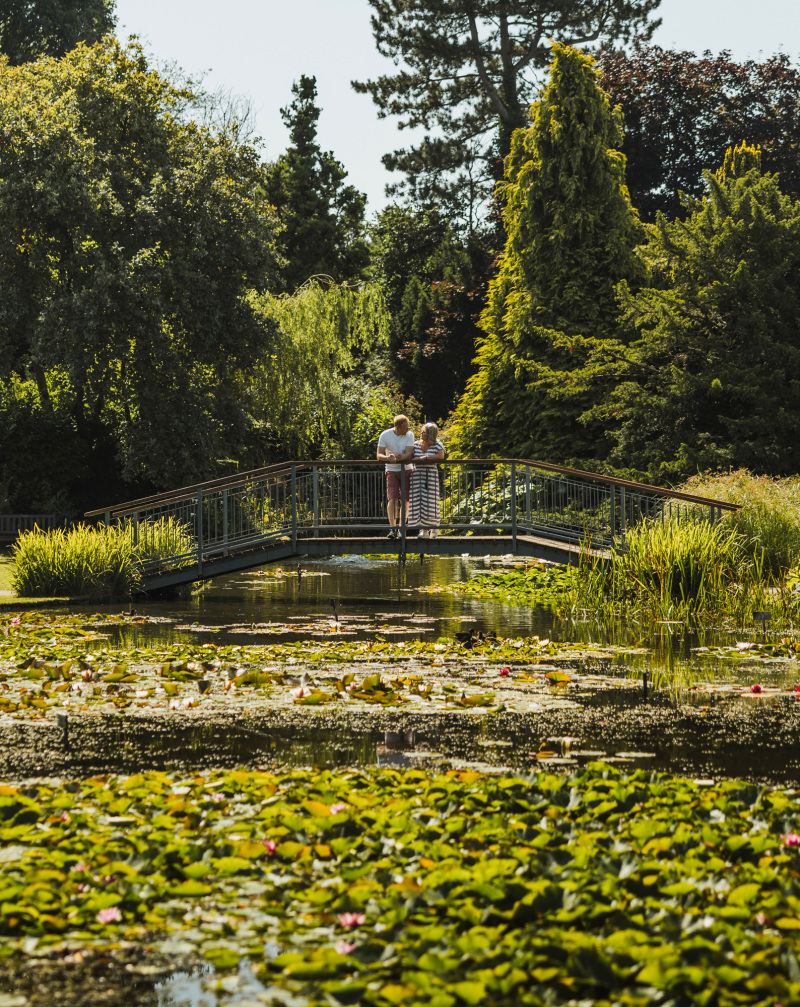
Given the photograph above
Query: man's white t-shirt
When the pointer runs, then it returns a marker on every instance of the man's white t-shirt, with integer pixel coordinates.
(396, 443)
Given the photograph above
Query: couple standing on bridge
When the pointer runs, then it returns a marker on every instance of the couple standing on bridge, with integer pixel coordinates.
(397, 447)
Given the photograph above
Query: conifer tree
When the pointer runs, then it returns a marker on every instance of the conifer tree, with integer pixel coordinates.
(33, 28)
(571, 234)
(714, 380)
(323, 218)
(469, 69)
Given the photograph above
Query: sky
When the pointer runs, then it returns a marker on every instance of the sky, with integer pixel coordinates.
(259, 47)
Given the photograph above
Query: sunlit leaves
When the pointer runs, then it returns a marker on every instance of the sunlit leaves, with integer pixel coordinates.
(462, 886)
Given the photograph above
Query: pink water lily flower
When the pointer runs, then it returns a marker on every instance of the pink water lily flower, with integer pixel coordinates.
(301, 691)
(270, 846)
(351, 920)
(761, 919)
(505, 671)
(336, 808)
(110, 915)
(755, 688)
(790, 839)
(16, 621)
(345, 947)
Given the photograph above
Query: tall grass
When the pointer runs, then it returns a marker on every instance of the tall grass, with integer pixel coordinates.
(92, 562)
(676, 570)
(769, 518)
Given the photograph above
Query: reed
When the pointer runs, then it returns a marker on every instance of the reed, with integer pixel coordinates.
(93, 562)
(769, 517)
(678, 570)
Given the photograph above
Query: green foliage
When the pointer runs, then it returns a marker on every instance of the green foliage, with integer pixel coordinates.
(323, 218)
(91, 561)
(42, 458)
(129, 241)
(298, 394)
(30, 29)
(712, 381)
(768, 519)
(571, 233)
(682, 112)
(674, 569)
(470, 71)
(433, 292)
(390, 887)
(538, 584)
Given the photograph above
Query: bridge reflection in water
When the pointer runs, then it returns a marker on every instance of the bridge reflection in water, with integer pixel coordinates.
(323, 508)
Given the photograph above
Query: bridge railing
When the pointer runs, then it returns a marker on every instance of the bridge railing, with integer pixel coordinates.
(510, 497)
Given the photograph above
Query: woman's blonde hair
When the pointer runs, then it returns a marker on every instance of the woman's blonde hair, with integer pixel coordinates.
(431, 432)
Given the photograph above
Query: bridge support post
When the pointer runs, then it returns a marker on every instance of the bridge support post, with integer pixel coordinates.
(107, 517)
(224, 522)
(315, 492)
(199, 520)
(622, 521)
(294, 507)
(514, 507)
(612, 510)
(135, 519)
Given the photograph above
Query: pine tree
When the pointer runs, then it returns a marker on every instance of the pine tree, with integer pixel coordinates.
(571, 234)
(469, 69)
(323, 218)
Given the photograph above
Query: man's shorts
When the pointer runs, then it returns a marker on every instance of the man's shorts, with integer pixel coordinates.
(393, 485)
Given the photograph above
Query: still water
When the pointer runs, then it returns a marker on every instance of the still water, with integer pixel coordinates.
(369, 595)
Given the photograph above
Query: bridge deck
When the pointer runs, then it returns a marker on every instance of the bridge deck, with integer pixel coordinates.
(281, 550)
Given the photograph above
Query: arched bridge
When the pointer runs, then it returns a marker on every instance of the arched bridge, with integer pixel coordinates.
(324, 508)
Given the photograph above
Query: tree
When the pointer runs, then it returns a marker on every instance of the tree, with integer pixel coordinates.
(713, 381)
(298, 394)
(434, 294)
(683, 112)
(128, 244)
(571, 234)
(33, 28)
(469, 70)
(323, 218)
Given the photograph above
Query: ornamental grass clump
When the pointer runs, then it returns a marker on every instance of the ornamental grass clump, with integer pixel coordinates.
(675, 569)
(768, 519)
(92, 562)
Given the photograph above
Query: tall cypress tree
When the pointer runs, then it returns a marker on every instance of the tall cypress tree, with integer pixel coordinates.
(571, 234)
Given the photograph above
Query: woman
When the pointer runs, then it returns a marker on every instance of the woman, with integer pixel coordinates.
(425, 481)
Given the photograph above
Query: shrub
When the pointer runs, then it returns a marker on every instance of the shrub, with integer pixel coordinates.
(88, 561)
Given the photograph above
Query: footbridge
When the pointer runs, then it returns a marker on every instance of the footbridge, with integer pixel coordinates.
(326, 508)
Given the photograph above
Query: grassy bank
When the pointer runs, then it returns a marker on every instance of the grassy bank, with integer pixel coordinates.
(681, 570)
(91, 561)
(6, 573)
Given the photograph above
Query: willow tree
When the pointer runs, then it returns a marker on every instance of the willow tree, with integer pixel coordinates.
(571, 235)
(298, 394)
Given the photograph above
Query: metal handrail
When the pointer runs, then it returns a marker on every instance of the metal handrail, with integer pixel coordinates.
(243, 478)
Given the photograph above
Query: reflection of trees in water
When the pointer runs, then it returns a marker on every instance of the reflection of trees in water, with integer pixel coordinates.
(91, 978)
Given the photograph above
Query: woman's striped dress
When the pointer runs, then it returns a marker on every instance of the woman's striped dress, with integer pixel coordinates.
(425, 489)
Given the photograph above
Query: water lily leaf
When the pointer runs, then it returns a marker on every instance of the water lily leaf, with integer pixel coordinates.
(222, 958)
(743, 895)
(251, 851)
(557, 677)
(190, 889)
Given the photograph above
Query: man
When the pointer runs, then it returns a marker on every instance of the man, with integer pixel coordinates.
(396, 445)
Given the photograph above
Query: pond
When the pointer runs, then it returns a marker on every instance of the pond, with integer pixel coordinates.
(670, 699)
